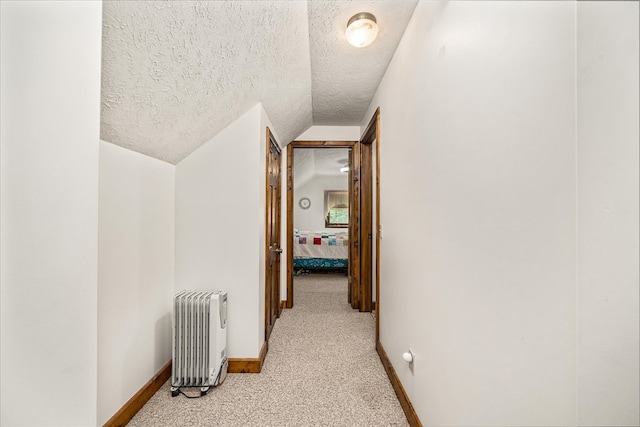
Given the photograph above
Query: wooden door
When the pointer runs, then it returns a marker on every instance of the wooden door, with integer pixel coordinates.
(354, 227)
(351, 216)
(273, 250)
(366, 226)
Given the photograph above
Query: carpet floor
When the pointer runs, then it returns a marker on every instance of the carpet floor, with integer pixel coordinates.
(321, 369)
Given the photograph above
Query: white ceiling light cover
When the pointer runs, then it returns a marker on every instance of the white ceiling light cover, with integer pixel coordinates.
(345, 79)
(362, 30)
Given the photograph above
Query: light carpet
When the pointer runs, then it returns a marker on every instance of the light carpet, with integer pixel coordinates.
(321, 369)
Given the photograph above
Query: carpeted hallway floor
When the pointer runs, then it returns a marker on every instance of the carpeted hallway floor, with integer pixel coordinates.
(321, 370)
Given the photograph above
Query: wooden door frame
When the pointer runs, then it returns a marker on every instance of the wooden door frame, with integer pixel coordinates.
(366, 257)
(372, 133)
(271, 139)
(290, 148)
(355, 291)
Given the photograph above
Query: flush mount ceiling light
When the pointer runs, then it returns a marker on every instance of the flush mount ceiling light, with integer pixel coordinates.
(362, 29)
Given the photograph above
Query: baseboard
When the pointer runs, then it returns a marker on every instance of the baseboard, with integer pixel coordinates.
(124, 415)
(407, 407)
(248, 366)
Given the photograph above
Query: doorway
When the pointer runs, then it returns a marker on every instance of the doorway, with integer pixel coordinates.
(364, 217)
(313, 211)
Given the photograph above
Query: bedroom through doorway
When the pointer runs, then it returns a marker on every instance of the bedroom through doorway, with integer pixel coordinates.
(332, 216)
(317, 211)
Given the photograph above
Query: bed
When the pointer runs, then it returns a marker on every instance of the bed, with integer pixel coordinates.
(320, 251)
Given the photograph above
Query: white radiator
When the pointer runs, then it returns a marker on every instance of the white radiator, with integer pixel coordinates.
(199, 340)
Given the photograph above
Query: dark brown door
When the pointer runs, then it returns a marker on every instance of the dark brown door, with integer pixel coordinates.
(273, 250)
(351, 217)
(366, 225)
(354, 226)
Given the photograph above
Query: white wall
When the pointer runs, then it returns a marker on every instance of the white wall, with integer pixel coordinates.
(135, 273)
(478, 211)
(220, 220)
(50, 86)
(330, 133)
(608, 220)
(312, 219)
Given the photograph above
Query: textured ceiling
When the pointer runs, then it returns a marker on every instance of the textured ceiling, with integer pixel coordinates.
(309, 162)
(175, 73)
(345, 78)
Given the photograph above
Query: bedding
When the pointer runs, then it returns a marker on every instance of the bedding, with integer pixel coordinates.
(320, 250)
(317, 245)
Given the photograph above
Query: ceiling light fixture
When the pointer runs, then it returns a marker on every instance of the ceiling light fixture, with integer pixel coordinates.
(362, 29)
(344, 169)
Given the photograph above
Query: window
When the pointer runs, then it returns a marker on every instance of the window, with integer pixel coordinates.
(336, 208)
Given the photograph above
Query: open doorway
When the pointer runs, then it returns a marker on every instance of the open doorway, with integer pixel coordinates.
(364, 218)
(317, 208)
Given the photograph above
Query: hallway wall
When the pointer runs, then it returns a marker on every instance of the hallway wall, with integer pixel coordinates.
(519, 263)
(220, 217)
(135, 273)
(478, 187)
(608, 190)
(50, 106)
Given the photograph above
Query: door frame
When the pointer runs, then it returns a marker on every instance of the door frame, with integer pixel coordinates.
(370, 134)
(269, 251)
(290, 148)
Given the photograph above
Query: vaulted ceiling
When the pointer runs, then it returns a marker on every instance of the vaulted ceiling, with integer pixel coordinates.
(175, 73)
(311, 162)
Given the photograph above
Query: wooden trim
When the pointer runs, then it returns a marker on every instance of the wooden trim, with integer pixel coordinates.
(270, 270)
(321, 144)
(290, 225)
(370, 129)
(405, 403)
(124, 415)
(373, 132)
(267, 242)
(290, 147)
(133, 405)
(366, 226)
(249, 365)
(283, 305)
(354, 227)
(378, 226)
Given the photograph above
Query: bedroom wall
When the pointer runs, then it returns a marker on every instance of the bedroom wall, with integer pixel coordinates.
(220, 217)
(478, 211)
(135, 273)
(312, 219)
(608, 218)
(50, 114)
